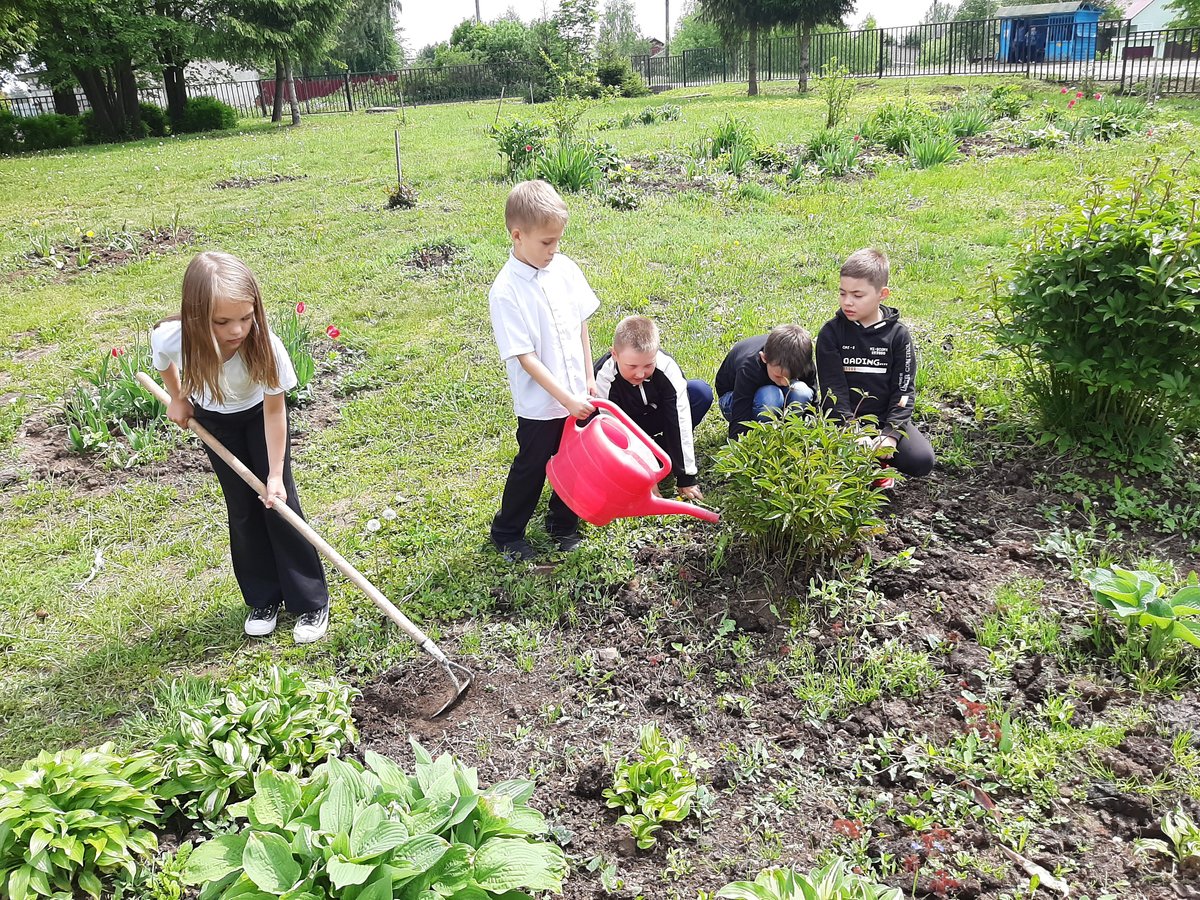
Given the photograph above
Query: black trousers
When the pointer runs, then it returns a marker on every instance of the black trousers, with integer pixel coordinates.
(914, 453)
(537, 441)
(273, 564)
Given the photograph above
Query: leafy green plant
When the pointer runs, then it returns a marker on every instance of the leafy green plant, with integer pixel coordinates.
(277, 720)
(293, 330)
(519, 143)
(1140, 600)
(617, 72)
(835, 87)
(622, 198)
(737, 159)
(570, 167)
(51, 131)
(729, 133)
(1007, 101)
(207, 114)
(801, 488)
(112, 402)
(376, 832)
(772, 158)
(895, 125)
(967, 120)
(823, 140)
(839, 159)
(654, 787)
(932, 149)
(1101, 312)
(1184, 836)
(1048, 136)
(71, 820)
(833, 881)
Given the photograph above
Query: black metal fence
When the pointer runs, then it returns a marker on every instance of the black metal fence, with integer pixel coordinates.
(1162, 62)
(1167, 61)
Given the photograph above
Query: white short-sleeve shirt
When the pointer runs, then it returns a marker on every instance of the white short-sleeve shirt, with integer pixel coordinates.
(542, 311)
(241, 392)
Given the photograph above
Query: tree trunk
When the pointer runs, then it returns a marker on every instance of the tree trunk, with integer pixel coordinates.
(65, 101)
(95, 87)
(280, 81)
(127, 98)
(805, 35)
(176, 90)
(478, 18)
(291, 90)
(752, 62)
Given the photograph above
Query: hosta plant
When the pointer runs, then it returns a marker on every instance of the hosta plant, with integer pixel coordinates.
(802, 489)
(655, 786)
(834, 881)
(1184, 836)
(1140, 600)
(73, 820)
(276, 720)
(377, 832)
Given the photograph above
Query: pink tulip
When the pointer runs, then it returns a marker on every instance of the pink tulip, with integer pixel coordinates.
(334, 332)
(300, 307)
(1097, 97)
(118, 351)
(1071, 105)
(1079, 95)
(1064, 90)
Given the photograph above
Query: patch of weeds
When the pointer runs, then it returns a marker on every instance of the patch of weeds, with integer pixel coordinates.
(847, 677)
(726, 136)
(1182, 844)
(932, 148)
(435, 255)
(246, 181)
(620, 197)
(1019, 626)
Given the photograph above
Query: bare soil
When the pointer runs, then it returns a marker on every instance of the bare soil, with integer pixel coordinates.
(66, 255)
(242, 181)
(786, 784)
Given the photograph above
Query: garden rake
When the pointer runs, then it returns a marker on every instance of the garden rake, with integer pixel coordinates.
(459, 675)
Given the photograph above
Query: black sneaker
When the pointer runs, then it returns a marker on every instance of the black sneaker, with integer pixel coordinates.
(261, 620)
(311, 626)
(516, 551)
(568, 542)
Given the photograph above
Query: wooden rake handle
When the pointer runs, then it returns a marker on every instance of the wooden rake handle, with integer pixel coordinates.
(343, 565)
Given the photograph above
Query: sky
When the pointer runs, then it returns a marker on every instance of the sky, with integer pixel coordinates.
(429, 21)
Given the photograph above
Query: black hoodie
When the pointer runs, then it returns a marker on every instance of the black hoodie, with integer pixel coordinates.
(878, 360)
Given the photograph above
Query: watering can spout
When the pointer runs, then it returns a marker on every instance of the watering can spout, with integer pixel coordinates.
(657, 506)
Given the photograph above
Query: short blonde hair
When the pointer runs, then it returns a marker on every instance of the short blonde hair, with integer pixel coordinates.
(870, 265)
(636, 333)
(532, 204)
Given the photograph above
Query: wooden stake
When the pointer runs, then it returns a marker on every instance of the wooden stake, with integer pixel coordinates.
(498, 105)
(399, 175)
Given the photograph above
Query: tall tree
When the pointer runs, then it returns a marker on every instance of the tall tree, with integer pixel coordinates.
(619, 32)
(939, 11)
(693, 32)
(576, 25)
(736, 19)
(287, 31)
(366, 42)
(806, 16)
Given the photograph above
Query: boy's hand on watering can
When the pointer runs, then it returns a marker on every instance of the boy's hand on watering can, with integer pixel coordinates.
(275, 492)
(180, 410)
(692, 492)
(580, 408)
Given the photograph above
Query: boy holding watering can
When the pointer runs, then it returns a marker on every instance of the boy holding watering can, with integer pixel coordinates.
(649, 385)
(540, 303)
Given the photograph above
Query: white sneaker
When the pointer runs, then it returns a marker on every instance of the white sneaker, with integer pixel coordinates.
(311, 626)
(261, 620)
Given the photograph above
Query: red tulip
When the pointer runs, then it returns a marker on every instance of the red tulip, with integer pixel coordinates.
(117, 351)
(334, 332)
(1097, 97)
(1078, 95)
(857, 138)
(1064, 90)
(300, 307)
(529, 148)
(1071, 105)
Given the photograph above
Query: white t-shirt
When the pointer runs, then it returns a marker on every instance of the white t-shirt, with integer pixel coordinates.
(241, 393)
(542, 311)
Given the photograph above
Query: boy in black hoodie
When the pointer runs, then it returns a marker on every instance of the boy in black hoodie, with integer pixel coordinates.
(650, 387)
(866, 365)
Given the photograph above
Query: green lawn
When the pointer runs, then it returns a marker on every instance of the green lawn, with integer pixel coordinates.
(425, 426)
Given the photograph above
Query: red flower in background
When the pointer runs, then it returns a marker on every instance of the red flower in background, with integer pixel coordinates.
(1064, 90)
(529, 148)
(1071, 105)
(1079, 95)
(300, 308)
(118, 351)
(334, 332)
(1097, 97)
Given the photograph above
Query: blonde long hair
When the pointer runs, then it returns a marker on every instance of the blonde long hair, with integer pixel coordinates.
(211, 276)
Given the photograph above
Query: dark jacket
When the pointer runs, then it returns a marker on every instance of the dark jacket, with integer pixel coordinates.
(659, 405)
(878, 360)
(743, 372)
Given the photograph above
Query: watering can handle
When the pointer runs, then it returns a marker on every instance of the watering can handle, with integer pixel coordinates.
(612, 409)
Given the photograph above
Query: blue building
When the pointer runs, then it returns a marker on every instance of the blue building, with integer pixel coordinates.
(1046, 32)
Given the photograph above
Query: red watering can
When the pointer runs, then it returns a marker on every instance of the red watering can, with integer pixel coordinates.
(602, 472)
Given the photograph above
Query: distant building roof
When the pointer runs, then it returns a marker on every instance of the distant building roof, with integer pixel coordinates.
(1135, 7)
(1043, 9)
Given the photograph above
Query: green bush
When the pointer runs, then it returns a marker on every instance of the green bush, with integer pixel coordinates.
(931, 149)
(519, 143)
(374, 833)
(1102, 314)
(896, 124)
(73, 819)
(727, 135)
(616, 72)
(1007, 101)
(10, 140)
(966, 120)
(570, 167)
(154, 119)
(207, 114)
(51, 131)
(654, 787)
(801, 488)
(274, 721)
